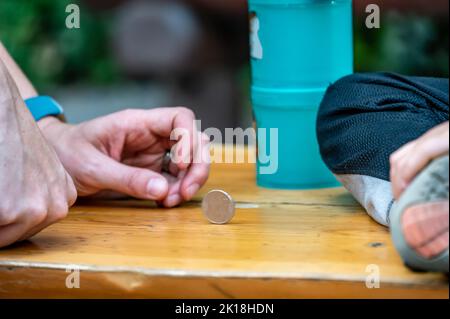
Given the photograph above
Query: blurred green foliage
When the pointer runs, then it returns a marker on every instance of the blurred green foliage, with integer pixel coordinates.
(34, 32)
(406, 43)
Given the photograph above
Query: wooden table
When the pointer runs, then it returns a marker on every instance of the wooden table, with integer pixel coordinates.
(281, 244)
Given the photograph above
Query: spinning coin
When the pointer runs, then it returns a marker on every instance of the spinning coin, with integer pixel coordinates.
(218, 207)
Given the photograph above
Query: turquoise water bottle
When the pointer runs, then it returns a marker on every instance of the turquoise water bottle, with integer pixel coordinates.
(298, 48)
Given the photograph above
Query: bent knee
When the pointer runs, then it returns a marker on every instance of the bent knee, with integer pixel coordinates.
(346, 107)
(355, 95)
(339, 98)
(352, 91)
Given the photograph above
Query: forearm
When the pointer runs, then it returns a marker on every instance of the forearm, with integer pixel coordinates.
(14, 116)
(26, 89)
(8, 102)
(24, 86)
(35, 189)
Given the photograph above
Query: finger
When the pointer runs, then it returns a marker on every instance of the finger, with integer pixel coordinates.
(52, 219)
(11, 233)
(409, 160)
(35, 230)
(136, 182)
(402, 152)
(397, 161)
(71, 191)
(174, 197)
(174, 170)
(18, 231)
(421, 155)
(59, 208)
(176, 123)
(398, 156)
(174, 188)
(143, 160)
(198, 173)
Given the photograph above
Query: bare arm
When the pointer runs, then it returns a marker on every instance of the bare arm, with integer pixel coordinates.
(24, 86)
(35, 189)
(26, 89)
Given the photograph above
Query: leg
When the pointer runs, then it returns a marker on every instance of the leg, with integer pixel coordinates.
(364, 118)
(362, 121)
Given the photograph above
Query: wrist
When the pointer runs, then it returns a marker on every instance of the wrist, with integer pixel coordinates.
(52, 127)
(48, 121)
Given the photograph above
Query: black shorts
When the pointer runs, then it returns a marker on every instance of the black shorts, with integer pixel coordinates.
(364, 118)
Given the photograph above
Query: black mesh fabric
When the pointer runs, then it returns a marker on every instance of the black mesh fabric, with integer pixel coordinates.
(364, 118)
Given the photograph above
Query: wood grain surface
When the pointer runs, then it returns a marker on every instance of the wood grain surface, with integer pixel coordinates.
(281, 244)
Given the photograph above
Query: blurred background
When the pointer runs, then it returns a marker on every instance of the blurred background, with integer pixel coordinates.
(150, 53)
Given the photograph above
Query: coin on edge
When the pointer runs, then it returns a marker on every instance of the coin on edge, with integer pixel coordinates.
(218, 207)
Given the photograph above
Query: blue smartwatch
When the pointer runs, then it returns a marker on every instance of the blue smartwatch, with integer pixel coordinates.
(43, 106)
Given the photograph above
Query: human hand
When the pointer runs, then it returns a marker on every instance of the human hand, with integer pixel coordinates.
(413, 157)
(35, 189)
(124, 153)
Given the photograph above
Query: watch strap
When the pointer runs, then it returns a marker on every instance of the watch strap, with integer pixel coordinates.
(43, 106)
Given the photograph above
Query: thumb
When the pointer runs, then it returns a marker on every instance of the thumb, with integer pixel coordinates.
(133, 181)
